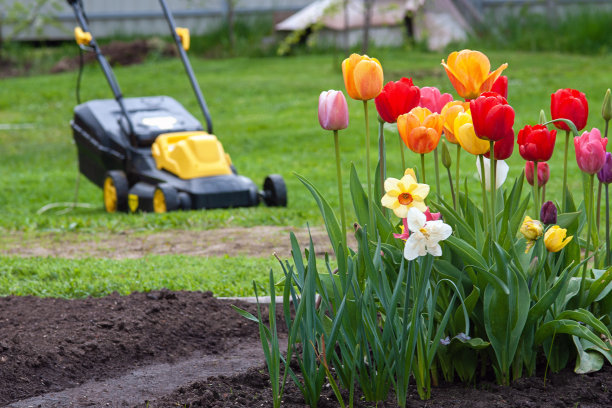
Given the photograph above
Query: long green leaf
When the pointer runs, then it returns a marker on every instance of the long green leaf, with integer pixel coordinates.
(566, 326)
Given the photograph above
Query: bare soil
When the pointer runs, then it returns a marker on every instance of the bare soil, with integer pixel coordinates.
(168, 349)
(255, 241)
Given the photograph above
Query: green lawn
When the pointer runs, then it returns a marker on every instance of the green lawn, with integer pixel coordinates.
(264, 112)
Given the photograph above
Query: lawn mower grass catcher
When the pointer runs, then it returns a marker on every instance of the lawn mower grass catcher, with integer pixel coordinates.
(150, 154)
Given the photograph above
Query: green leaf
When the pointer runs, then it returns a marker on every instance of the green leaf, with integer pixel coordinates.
(331, 222)
(360, 200)
(566, 220)
(601, 286)
(583, 315)
(586, 361)
(469, 254)
(567, 327)
(538, 310)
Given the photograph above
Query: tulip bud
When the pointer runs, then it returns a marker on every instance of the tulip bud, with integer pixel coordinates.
(606, 109)
(605, 174)
(446, 159)
(548, 213)
(543, 173)
(542, 117)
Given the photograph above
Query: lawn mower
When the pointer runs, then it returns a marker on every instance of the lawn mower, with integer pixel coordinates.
(150, 154)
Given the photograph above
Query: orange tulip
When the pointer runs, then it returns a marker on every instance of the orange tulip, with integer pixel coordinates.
(449, 114)
(469, 73)
(363, 77)
(420, 129)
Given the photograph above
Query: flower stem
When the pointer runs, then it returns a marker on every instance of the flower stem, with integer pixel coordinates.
(438, 192)
(581, 296)
(369, 176)
(607, 228)
(493, 185)
(543, 199)
(423, 168)
(536, 188)
(382, 160)
(598, 210)
(450, 182)
(401, 143)
(340, 195)
(564, 204)
(457, 169)
(485, 207)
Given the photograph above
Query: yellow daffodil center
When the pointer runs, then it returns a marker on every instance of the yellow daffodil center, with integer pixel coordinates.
(405, 199)
(424, 232)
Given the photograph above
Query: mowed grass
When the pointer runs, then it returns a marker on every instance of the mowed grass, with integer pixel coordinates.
(265, 113)
(78, 278)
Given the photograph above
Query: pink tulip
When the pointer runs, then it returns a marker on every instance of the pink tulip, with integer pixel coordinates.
(543, 173)
(591, 151)
(433, 100)
(333, 110)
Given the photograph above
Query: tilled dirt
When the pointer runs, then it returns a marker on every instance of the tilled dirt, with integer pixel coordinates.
(254, 241)
(167, 349)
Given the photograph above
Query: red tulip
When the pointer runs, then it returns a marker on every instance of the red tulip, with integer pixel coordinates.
(432, 99)
(396, 99)
(543, 173)
(536, 143)
(569, 104)
(501, 86)
(591, 151)
(492, 116)
(503, 147)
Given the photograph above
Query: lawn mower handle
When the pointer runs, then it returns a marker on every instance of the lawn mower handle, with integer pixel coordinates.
(187, 65)
(106, 69)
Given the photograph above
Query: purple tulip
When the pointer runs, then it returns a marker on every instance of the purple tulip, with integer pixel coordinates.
(333, 110)
(548, 213)
(605, 174)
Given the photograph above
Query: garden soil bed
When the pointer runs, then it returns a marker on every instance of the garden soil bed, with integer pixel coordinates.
(167, 349)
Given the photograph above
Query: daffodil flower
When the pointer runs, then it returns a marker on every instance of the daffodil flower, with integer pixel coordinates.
(401, 195)
(424, 236)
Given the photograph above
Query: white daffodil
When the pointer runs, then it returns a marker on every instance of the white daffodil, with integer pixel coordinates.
(424, 236)
(500, 174)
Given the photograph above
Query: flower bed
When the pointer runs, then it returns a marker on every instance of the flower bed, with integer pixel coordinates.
(485, 284)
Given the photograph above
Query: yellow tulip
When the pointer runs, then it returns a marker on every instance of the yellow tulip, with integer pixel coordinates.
(449, 114)
(363, 77)
(464, 133)
(531, 230)
(469, 73)
(555, 238)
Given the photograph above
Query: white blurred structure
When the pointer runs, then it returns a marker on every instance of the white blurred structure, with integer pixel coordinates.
(436, 21)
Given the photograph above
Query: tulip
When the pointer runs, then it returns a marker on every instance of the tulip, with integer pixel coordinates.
(591, 157)
(492, 116)
(501, 86)
(503, 148)
(606, 107)
(605, 174)
(396, 99)
(363, 77)
(464, 132)
(449, 114)
(420, 129)
(469, 73)
(536, 143)
(590, 151)
(432, 99)
(555, 238)
(531, 230)
(500, 174)
(548, 213)
(543, 173)
(569, 104)
(333, 110)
